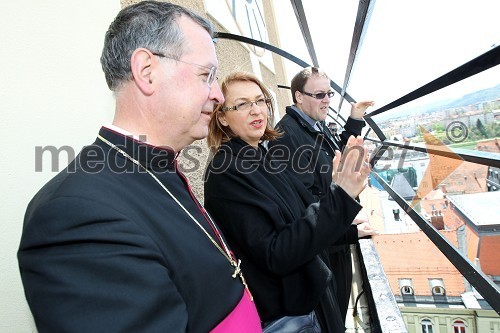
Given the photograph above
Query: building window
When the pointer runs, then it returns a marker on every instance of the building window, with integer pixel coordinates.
(459, 327)
(426, 326)
(406, 287)
(437, 287)
(439, 291)
(407, 290)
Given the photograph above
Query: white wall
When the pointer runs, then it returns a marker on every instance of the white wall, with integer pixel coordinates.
(52, 92)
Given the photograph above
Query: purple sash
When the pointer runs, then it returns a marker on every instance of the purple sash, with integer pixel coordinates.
(243, 319)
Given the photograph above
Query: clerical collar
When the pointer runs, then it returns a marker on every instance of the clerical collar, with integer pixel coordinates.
(314, 124)
(153, 157)
(126, 133)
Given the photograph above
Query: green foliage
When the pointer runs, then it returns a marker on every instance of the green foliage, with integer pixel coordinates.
(481, 131)
(437, 127)
(477, 133)
(493, 129)
(480, 127)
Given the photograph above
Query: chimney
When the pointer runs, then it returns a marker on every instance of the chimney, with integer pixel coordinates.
(437, 221)
(443, 188)
(395, 211)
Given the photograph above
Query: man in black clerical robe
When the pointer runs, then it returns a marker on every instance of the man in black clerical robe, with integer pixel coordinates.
(117, 242)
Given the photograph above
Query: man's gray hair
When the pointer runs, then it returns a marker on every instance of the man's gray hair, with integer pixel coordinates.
(148, 24)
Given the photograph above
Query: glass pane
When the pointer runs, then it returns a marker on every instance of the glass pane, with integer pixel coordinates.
(462, 115)
(411, 43)
(291, 41)
(330, 24)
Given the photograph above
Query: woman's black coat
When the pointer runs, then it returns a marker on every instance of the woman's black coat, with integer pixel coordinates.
(274, 225)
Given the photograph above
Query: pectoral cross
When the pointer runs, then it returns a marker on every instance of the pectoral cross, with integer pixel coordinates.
(237, 271)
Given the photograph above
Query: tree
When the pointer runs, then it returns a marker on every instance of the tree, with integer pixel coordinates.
(493, 129)
(437, 127)
(481, 128)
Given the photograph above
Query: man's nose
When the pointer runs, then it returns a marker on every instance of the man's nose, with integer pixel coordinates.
(216, 93)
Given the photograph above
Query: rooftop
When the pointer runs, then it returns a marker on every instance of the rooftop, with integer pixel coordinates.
(492, 145)
(420, 260)
(481, 208)
(467, 178)
(401, 185)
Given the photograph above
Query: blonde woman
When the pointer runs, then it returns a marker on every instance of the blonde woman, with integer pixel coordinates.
(268, 216)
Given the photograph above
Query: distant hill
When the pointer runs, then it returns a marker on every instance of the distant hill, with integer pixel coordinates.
(478, 96)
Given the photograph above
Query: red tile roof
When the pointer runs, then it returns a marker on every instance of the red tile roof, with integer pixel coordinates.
(436, 198)
(467, 178)
(414, 256)
(492, 145)
(452, 219)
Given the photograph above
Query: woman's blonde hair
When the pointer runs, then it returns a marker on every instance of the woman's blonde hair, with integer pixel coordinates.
(218, 133)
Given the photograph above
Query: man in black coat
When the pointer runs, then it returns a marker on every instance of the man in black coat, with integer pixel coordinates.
(307, 146)
(117, 242)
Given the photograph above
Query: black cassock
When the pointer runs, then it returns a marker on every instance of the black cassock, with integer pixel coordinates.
(105, 249)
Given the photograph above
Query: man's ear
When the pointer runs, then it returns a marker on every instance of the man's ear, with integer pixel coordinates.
(298, 97)
(142, 64)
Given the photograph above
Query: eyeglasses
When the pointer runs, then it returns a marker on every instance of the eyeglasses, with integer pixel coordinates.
(319, 95)
(211, 75)
(247, 106)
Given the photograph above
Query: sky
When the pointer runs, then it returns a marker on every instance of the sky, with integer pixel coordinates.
(408, 43)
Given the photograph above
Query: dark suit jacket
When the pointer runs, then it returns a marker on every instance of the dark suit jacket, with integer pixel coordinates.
(308, 152)
(309, 155)
(274, 224)
(105, 249)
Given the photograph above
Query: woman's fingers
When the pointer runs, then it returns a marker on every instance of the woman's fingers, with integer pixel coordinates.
(336, 163)
(351, 168)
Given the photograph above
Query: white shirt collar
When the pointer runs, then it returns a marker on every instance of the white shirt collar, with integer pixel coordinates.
(125, 132)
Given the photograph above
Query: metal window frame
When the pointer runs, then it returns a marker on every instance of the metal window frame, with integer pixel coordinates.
(489, 59)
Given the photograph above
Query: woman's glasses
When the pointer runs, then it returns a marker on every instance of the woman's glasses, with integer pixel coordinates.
(247, 106)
